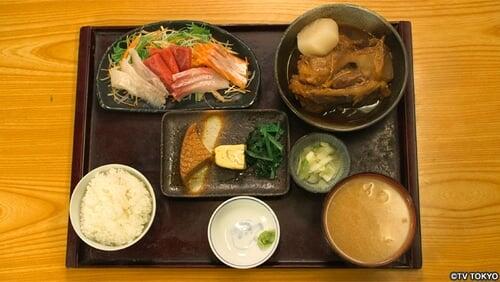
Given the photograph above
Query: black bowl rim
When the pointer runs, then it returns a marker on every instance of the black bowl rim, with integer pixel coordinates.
(332, 127)
(159, 110)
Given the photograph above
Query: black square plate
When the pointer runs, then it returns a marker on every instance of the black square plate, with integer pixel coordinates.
(237, 124)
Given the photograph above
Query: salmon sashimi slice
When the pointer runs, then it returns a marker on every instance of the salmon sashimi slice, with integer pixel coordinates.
(223, 62)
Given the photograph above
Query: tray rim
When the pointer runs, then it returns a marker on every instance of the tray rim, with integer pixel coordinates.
(80, 150)
(211, 196)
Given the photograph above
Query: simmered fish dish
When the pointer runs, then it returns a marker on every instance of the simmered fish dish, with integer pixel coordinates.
(357, 67)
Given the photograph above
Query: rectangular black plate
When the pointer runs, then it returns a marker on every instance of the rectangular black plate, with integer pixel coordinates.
(237, 124)
(178, 236)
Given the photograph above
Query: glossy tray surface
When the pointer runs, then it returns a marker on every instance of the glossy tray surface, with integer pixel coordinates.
(178, 236)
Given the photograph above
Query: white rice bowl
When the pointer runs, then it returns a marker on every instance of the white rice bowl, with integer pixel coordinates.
(115, 208)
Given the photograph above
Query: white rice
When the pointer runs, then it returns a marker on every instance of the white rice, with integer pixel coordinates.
(115, 208)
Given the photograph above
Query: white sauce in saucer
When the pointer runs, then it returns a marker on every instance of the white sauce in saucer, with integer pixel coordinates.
(234, 228)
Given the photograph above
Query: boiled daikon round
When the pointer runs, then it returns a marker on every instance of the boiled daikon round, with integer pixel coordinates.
(318, 38)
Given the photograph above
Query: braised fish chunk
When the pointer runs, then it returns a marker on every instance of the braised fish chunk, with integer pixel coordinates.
(351, 72)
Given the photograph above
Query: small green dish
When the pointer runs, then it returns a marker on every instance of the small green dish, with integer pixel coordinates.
(313, 138)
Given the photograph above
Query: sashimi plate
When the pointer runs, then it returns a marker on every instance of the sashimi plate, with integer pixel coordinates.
(241, 92)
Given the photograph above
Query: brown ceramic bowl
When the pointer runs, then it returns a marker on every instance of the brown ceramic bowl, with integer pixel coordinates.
(372, 234)
(355, 118)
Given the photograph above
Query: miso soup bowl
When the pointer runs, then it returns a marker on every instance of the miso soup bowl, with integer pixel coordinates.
(397, 188)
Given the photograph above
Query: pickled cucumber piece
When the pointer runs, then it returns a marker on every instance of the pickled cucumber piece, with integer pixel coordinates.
(318, 164)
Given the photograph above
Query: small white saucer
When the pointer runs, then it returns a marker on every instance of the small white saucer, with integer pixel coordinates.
(233, 230)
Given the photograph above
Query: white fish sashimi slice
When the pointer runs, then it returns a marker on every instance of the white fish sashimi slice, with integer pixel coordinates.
(145, 72)
(144, 89)
(123, 79)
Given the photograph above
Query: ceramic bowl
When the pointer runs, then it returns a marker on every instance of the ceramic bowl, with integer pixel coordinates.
(79, 192)
(311, 139)
(234, 228)
(360, 209)
(287, 54)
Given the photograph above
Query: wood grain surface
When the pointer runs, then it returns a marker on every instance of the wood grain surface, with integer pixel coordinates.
(457, 80)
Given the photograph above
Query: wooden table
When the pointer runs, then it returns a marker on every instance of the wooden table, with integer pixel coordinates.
(457, 80)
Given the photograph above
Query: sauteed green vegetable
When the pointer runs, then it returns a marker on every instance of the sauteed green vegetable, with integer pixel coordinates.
(265, 150)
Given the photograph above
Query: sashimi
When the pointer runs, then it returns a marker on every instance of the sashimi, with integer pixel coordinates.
(194, 74)
(158, 66)
(167, 57)
(126, 81)
(197, 80)
(145, 72)
(153, 51)
(145, 90)
(154, 65)
(182, 56)
(223, 62)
